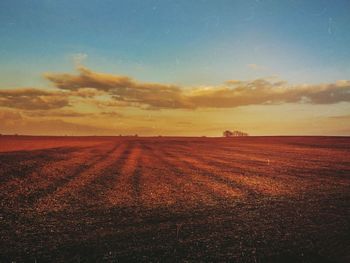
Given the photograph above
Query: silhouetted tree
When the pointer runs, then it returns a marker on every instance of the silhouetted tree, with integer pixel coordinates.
(227, 133)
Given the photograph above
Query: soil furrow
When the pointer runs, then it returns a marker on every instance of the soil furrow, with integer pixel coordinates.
(123, 192)
(217, 190)
(103, 183)
(181, 188)
(62, 195)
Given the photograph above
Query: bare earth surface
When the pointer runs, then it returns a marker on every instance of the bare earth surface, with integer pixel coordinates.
(118, 199)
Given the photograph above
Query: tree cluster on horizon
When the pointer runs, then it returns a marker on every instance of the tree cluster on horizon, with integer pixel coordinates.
(229, 133)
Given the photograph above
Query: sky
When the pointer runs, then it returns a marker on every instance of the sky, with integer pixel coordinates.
(185, 68)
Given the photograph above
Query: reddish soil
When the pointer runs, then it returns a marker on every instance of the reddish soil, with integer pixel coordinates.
(121, 199)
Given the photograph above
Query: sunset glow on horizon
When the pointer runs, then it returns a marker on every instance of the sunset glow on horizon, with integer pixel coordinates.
(176, 68)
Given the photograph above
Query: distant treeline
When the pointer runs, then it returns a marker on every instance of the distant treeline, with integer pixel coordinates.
(228, 133)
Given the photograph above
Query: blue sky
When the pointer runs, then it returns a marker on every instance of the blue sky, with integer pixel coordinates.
(182, 42)
(267, 67)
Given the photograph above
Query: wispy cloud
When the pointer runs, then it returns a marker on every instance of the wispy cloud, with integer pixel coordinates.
(78, 58)
(57, 113)
(111, 114)
(340, 117)
(255, 67)
(14, 122)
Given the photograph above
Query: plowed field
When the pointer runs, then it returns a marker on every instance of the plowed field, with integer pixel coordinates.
(118, 199)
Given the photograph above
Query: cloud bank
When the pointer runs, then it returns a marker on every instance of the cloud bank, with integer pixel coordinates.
(232, 93)
(120, 91)
(88, 102)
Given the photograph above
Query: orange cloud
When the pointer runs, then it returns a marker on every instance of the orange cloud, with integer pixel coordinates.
(232, 94)
(122, 88)
(263, 92)
(32, 99)
(107, 91)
